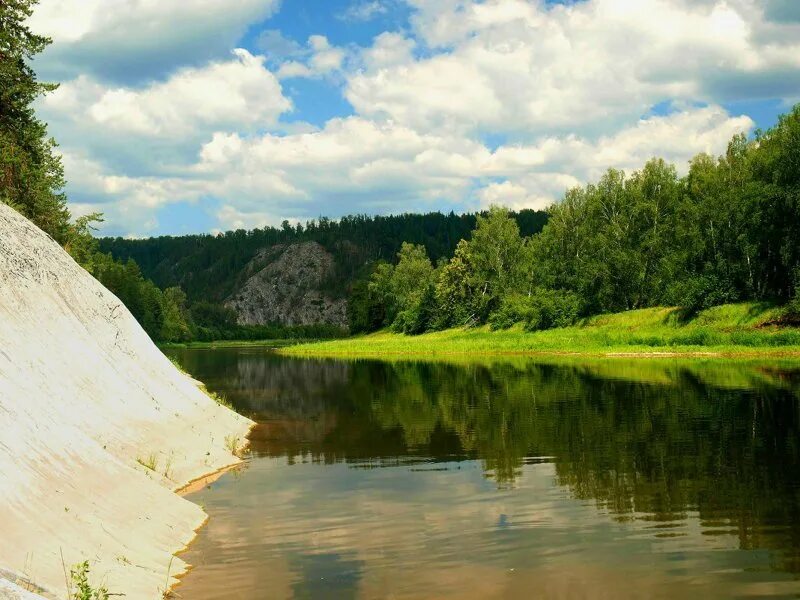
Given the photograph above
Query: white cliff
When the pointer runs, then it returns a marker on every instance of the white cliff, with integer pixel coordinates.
(85, 398)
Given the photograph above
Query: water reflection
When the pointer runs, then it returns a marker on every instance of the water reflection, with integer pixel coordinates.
(673, 478)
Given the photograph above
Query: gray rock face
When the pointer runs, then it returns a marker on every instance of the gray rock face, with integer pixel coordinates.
(284, 287)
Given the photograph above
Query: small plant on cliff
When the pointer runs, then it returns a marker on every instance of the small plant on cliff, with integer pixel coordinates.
(168, 466)
(233, 444)
(218, 398)
(83, 590)
(151, 462)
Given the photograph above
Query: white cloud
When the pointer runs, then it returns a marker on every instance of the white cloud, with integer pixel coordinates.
(127, 40)
(565, 85)
(320, 58)
(675, 137)
(163, 124)
(365, 10)
(355, 165)
(238, 93)
(524, 68)
(389, 49)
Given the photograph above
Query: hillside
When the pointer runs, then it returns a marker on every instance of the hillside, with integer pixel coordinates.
(97, 428)
(221, 268)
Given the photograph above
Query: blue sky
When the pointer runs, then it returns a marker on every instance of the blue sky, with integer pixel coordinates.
(178, 116)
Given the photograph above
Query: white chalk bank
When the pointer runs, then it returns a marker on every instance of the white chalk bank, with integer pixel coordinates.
(84, 396)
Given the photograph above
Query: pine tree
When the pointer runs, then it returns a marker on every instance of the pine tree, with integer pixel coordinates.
(31, 173)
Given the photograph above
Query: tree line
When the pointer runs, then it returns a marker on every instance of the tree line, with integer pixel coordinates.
(212, 266)
(728, 231)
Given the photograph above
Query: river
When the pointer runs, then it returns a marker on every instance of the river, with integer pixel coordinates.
(502, 479)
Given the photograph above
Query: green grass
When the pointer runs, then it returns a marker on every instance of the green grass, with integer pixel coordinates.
(731, 330)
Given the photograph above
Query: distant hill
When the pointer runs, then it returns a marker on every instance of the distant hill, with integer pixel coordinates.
(294, 275)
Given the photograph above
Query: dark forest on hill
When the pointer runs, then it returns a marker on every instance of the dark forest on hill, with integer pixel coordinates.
(208, 266)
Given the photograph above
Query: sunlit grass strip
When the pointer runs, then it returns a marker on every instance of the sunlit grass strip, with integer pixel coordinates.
(730, 330)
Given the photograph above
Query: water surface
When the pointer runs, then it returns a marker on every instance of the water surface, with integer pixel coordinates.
(622, 479)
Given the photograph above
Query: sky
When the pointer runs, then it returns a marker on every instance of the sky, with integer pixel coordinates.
(187, 116)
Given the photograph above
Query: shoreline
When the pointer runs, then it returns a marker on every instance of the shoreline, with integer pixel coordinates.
(767, 353)
(744, 330)
(182, 491)
(269, 343)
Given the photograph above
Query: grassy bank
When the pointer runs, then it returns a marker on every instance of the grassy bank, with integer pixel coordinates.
(729, 330)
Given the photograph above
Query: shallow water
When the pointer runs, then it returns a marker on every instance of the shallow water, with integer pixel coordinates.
(623, 479)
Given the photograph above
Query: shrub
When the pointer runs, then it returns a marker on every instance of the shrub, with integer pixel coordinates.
(543, 309)
(513, 309)
(700, 292)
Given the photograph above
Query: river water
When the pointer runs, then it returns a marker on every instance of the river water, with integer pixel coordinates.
(509, 479)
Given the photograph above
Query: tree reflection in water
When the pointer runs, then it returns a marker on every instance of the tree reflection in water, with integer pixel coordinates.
(644, 440)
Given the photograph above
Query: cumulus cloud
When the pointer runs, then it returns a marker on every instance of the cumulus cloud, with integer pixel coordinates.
(564, 85)
(389, 49)
(129, 41)
(238, 93)
(356, 165)
(319, 59)
(675, 137)
(165, 122)
(525, 67)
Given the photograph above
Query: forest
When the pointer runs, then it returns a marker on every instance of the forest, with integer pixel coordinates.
(209, 266)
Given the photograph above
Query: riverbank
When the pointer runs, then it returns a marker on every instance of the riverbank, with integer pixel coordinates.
(97, 431)
(235, 344)
(734, 330)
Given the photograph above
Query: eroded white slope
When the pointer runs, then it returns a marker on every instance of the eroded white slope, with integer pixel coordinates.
(84, 393)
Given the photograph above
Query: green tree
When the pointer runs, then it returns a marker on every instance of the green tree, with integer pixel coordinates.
(31, 173)
(496, 252)
(176, 326)
(380, 289)
(411, 286)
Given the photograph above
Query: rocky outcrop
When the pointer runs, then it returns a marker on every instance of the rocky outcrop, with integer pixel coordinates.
(284, 285)
(97, 430)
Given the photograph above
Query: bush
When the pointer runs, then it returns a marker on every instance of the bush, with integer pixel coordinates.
(512, 310)
(419, 317)
(79, 576)
(543, 309)
(701, 292)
